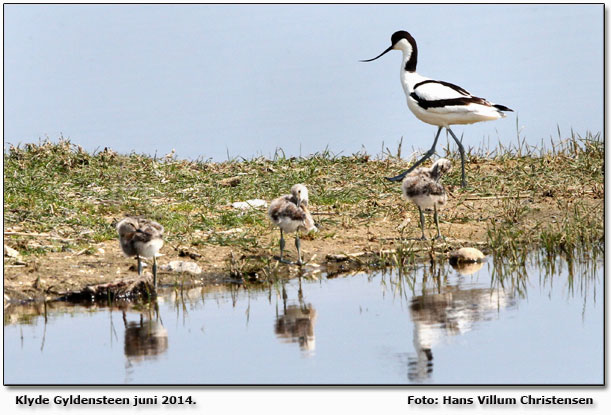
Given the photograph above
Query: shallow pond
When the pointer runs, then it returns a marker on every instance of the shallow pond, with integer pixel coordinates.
(532, 325)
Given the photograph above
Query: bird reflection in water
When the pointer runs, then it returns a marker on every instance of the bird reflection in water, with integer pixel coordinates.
(445, 310)
(296, 323)
(145, 338)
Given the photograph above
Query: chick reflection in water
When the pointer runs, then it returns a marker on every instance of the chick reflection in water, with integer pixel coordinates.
(448, 311)
(296, 324)
(144, 339)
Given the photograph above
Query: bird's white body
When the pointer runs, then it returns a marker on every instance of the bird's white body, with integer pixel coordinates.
(437, 103)
(428, 201)
(460, 114)
(149, 249)
(289, 225)
(429, 90)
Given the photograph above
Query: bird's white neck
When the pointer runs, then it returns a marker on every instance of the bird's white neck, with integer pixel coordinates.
(410, 79)
(410, 54)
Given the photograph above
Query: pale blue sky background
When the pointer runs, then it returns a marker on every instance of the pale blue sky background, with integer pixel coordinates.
(207, 79)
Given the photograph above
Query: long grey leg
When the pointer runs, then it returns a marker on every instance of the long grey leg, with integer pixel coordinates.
(462, 156)
(437, 222)
(155, 272)
(427, 155)
(139, 264)
(298, 246)
(282, 244)
(422, 223)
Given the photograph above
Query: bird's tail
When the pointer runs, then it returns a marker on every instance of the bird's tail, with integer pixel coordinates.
(502, 107)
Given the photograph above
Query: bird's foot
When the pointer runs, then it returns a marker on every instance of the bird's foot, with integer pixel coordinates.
(287, 262)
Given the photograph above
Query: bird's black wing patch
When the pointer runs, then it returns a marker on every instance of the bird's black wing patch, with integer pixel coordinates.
(448, 84)
(440, 103)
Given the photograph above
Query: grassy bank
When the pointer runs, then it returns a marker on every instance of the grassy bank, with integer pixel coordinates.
(61, 204)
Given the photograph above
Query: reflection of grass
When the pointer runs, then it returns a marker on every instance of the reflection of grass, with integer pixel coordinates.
(581, 268)
(533, 268)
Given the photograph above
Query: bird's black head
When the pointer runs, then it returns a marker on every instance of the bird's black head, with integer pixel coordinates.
(401, 34)
(409, 48)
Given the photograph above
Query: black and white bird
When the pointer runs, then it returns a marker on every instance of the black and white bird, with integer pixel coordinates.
(142, 238)
(290, 213)
(437, 102)
(423, 187)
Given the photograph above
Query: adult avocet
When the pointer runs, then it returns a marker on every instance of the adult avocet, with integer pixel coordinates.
(423, 188)
(142, 238)
(290, 213)
(437, 102)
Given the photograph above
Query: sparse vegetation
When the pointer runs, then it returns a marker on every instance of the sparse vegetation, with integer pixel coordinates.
(59, 198)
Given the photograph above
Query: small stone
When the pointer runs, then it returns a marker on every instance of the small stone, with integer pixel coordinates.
(230, 231)
(10, 252)
(181, 266)
(466, 255)
(249, 204)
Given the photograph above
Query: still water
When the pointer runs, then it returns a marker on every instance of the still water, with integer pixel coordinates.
(533, 325)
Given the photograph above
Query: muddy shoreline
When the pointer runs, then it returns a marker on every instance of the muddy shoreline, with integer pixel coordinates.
(360, 247)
